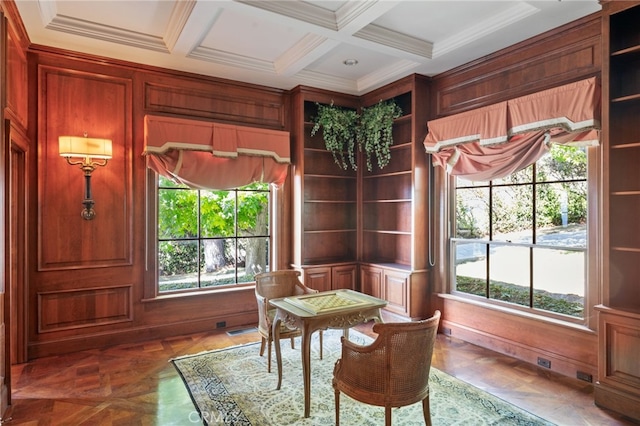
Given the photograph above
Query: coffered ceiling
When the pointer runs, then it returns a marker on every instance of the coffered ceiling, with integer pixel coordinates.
(286, 43)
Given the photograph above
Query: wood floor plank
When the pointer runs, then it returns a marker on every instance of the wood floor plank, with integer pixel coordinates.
(135, 384)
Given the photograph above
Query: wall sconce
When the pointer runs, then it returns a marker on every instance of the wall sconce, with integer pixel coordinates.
(87, 149)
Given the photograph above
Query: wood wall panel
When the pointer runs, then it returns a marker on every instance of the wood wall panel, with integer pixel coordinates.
(619, 371)
(16, 79)
(71, 309)
(570, 349)
(521, 76)
(73, 103)
(570, 53)
(236, 106)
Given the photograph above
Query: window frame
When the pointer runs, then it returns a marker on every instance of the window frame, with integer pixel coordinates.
(151, 289)
(592, 295)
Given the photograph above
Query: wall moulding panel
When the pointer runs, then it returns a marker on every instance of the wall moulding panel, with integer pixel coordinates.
(72, 309)
(17, 88)
(554, 58)
(569, 349)
(265, 109)
(71, 103)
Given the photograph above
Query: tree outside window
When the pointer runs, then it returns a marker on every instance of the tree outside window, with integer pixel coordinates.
(210, 238)
(522, 240)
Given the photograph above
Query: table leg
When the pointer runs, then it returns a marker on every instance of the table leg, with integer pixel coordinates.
(306, 368)
(275, 333)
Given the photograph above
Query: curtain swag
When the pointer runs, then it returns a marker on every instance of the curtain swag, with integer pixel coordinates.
(207, 155)
(500, 139)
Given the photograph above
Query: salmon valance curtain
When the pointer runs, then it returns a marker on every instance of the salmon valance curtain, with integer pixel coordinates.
(500, 139)
(207, 155)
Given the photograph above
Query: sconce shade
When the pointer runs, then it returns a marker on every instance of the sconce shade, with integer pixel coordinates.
(79, 146)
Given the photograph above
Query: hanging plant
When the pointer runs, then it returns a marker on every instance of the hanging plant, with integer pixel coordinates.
(375, 132)
(339, 131)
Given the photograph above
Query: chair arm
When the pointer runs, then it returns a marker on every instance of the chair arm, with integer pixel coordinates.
(263, 308)
(303, 289)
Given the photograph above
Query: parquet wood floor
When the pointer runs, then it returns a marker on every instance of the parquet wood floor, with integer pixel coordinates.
(135, 384)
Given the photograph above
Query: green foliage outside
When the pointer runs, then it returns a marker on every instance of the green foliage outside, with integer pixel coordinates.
(185, 214)
(511, 293)
(513, 205)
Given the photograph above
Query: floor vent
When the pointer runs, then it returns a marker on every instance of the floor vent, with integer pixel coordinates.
(241, 331)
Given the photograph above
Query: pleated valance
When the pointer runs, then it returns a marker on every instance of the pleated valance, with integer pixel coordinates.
(494, 141)
(208, 155)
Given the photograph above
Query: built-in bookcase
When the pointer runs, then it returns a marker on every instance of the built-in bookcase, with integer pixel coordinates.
(394, 224)
(618, 385)
(366, 230)
(325, 201)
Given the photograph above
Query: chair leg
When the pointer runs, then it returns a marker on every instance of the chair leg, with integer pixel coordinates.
(337, 395)
(387, 415)
(263, 343)
(269, 355)
(426, 411)
(292, 344)
(321, 344)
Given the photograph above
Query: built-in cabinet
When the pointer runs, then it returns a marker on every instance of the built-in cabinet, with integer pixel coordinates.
(388, 283)
(395, 222)
(325, 200)
(618, 386)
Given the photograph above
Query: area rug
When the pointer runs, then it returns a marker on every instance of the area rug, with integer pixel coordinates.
(232, 387)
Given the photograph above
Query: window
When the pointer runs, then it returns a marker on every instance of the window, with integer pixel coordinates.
(522, 240)
(210, 238)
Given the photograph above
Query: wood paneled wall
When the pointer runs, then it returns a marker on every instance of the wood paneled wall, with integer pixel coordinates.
(87, 278)
(570, 53)
(76, 103)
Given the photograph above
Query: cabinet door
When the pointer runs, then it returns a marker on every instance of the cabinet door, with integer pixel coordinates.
(395, 291)
(371, 281)
(318, 278)
(343, 277)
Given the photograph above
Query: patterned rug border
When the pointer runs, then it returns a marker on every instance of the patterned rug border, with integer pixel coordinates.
(508, 413)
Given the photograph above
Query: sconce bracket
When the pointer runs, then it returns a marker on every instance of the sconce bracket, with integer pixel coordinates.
(88, 213)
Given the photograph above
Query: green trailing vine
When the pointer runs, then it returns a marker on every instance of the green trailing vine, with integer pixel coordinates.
(375, 132)
(371, 131)
(339, 131)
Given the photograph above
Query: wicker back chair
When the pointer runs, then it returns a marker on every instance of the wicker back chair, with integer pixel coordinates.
(274, 285)
(393, 371)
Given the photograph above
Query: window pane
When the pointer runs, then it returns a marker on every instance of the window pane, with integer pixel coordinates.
(253, 255)
(260, 186)
(562, 163)
(217, 213)
(253, 213)
(471, 268)
(562, 214)
(461, 182)
(512, 214)
(523, 176)
(509, 274)
(472, 213)
(177, 213)
(558, 281)
(177, 265)
(163, 182)
(219, 266)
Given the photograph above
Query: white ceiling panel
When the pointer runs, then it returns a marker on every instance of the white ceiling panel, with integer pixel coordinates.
(290, 42)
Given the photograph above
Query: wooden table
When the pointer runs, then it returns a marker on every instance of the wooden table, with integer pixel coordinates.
(340, 309)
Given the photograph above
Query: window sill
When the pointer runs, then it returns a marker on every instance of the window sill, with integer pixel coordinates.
(201, 293)
(577, 326)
